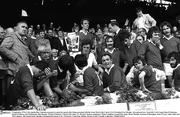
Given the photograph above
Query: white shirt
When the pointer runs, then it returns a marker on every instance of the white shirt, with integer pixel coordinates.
(168, 38)
(117, 31)
(62, 42)
(141, 22)
(91, 60)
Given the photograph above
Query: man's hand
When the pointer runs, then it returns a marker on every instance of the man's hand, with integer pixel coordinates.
(55, 73)
(100, 70)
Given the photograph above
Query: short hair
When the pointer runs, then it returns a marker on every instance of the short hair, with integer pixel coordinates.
(139, 58)
(66, 62)
(22, 21)
(138, 9)
(152, 30)
(82, 20)
(86, 42)
(41, 65)
(107, 37)
(114, 23)
(106, 54)
(165, 23)
(81, 60)
(124, 34)
(175, 55)
(143, 29)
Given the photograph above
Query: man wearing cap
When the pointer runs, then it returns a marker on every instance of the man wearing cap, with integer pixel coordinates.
(14, 48)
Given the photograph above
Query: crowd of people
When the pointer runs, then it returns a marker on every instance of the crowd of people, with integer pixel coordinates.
(144, 55)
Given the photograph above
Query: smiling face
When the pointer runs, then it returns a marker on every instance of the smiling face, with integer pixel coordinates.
(107, 61)
(156, 37)
(166, 30)
(109, 43)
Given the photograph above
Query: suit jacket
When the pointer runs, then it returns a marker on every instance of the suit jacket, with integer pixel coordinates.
(118, 41)
(56, 44)
(60, 46)
(15, 51)
(148, 22)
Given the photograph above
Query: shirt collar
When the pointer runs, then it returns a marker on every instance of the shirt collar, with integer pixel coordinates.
(55, 58)
(177, 66)
(110, 51)
(82, 31)
(81, 71)
(117, 31)
(151, 42)
(30, 69)
(168, 38)
(108, 71)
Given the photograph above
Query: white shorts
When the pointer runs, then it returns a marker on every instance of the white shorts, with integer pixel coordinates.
(160, 74)
(168, 69)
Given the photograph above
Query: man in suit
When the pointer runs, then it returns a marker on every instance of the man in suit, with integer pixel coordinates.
(62, 44)
(119, 34)
(143, 21)
(14, 48)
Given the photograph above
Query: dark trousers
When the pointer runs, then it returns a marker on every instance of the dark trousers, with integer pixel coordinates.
(12, 96)
(4, 85)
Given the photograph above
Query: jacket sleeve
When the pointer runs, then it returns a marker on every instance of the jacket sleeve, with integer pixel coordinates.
(5, 47)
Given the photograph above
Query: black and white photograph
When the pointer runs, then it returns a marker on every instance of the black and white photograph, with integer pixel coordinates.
(90, 58)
